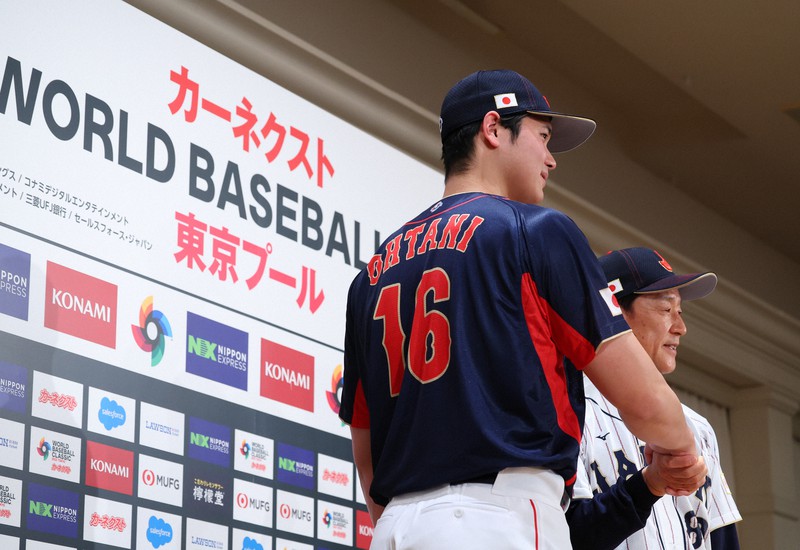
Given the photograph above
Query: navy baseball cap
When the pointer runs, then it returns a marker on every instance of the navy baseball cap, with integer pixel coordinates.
(642, 270)
(508, 93)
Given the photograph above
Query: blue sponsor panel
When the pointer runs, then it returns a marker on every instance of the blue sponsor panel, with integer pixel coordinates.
(51, 510)
(13, 387)
(209, 442)
(296, 466)
(15, 272)
(216, 351)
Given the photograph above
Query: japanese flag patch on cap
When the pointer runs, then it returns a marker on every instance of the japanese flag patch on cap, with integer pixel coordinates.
(505, 100)
(508, 93)
(641, 270)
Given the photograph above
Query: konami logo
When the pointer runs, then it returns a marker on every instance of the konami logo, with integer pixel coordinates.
(287, 375)
(109, 468)
(363, 529)
(80, 305)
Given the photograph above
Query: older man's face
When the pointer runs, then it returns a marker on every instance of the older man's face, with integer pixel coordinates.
(656, 321)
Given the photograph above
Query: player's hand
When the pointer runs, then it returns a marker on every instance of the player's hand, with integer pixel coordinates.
(676, 475)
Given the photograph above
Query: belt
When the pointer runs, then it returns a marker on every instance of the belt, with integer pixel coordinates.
(485, 478)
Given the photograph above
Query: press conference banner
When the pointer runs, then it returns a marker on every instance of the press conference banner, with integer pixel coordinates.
(177, 235)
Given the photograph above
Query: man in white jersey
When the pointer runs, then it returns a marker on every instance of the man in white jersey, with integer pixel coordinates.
(618, 501)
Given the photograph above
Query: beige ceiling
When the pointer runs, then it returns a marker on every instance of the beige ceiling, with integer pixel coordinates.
(697, 90)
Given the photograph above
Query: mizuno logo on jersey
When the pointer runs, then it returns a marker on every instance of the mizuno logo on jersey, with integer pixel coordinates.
(611, 300)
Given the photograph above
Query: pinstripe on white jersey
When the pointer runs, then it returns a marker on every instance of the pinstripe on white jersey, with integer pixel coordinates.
(609, 451)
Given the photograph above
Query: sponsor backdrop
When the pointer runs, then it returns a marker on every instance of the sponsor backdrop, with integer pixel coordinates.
(176, 241)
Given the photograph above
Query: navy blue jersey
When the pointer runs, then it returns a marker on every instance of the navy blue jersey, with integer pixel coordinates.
(464, 342)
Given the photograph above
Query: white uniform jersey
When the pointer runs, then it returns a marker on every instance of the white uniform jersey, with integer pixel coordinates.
(609, 451)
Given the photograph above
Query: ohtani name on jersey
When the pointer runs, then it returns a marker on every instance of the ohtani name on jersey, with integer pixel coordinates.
(419, 239)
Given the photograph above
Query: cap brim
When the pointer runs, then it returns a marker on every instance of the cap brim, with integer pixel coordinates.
(692, 286)
(569, 131)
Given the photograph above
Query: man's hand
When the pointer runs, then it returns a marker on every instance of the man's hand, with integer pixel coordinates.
(676, 475)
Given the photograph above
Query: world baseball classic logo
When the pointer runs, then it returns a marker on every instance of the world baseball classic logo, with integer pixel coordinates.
(151, 331)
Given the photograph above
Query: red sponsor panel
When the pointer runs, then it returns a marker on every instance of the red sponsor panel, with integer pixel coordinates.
(287, 375)
(81, 305)
(109, 468)
(363, 530)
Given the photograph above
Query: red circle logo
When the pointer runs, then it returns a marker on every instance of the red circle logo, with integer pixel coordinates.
(148, 477)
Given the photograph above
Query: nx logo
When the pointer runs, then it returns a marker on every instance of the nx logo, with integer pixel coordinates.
(200, 440)
(40, 509)
(202, 348)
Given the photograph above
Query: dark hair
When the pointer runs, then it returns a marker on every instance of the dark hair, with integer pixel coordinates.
(626, 302)
(457, 149)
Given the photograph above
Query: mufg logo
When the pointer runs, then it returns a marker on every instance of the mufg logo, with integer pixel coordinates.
(151, 332)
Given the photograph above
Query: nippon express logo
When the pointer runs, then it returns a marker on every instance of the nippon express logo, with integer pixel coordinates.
(15, 269)
(52, 510)
(159, 532)
(152, 331)
(81, 305)
(216, 351)
(13, 386)
(296, 466)
(209, 442)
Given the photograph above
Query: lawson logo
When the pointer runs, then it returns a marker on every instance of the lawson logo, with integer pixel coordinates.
(80, 305)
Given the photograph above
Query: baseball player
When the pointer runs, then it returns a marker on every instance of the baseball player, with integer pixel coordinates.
(628, 510)
(466, 335)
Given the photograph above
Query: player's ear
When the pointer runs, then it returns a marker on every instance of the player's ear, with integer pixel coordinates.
(490, 125)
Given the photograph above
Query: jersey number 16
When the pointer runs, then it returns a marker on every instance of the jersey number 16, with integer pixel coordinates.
(426, 362)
